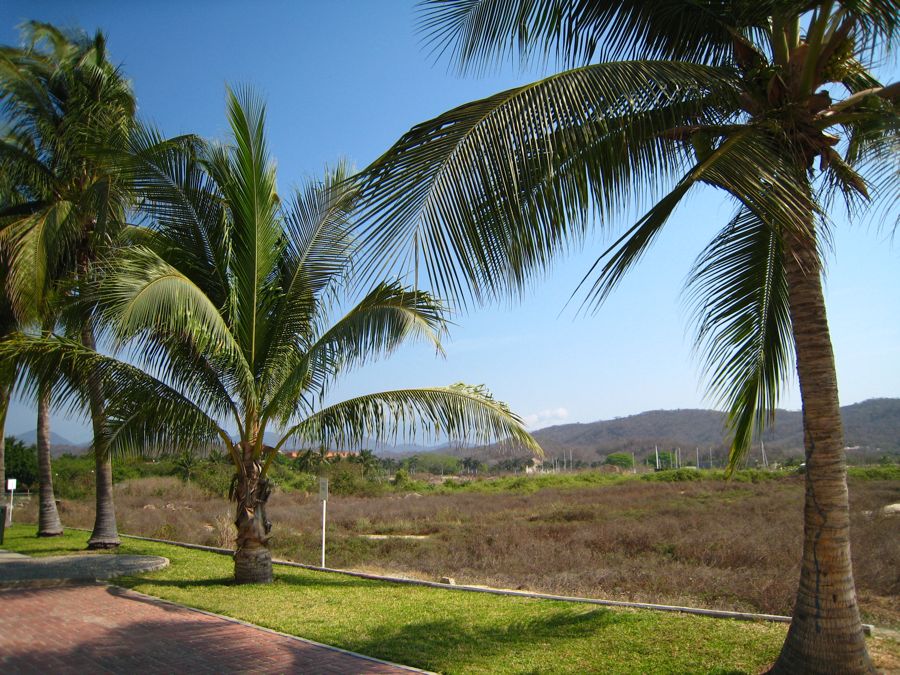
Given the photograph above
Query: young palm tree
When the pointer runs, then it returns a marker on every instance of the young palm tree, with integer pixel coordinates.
(224, 307)
(771, 102)
(64, 107)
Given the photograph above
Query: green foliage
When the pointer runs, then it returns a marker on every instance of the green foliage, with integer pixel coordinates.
(623, 460)
(348, 478)
(435, 463)
(21, 464)
(875, 472)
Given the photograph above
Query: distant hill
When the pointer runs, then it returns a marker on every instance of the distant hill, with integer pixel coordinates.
(59, 445)
(870, 427)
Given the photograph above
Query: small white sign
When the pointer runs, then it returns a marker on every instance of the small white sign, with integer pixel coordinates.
(11, 484)
(323, 489)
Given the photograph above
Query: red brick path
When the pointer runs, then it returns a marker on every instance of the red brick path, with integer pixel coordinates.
(101, 629)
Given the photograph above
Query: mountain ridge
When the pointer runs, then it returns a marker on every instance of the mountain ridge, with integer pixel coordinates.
(870, 426)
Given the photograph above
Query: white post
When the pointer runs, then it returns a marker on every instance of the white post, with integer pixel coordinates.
(657, 457)
(633, 464)
(11, 486)
(697, 448)
(323, 495)
(324, 502)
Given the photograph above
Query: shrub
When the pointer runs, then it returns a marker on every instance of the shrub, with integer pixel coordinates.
(623, 460)
(21, 463)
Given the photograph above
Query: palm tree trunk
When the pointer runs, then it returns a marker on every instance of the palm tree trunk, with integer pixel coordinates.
(49, 524)
(826, 634)
(4, 407)
(105, 534)
(252, 558)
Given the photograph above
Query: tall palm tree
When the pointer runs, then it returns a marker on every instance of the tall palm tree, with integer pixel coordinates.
(64, 107)
(771, 102)
(224, 307)
(7, 374)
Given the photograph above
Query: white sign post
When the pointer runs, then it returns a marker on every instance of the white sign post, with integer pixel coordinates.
(323, 495)
(11, 486)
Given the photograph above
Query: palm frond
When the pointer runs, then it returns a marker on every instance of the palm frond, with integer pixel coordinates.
(459, 412)
(770, 189)
(37, 247)
(739, 294)
(575, 32)
(140, 296)
(182, 205)
(490, 191)
(142, 411)
(249, 191)
(389, 316)
(314, 259)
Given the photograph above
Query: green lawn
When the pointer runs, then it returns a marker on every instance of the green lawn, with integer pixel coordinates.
(444, 630)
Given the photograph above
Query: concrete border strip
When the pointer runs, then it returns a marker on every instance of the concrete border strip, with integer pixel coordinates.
(697, 611)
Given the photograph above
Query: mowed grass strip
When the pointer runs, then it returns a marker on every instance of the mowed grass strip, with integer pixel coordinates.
(443, 630)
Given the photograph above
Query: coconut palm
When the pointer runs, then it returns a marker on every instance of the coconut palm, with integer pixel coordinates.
(64, 107)
(225, 307)
(771, 102)
(7, 376)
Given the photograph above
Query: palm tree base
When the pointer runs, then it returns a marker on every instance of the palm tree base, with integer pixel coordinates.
(103, 544)
(50, 534)
(253, 565)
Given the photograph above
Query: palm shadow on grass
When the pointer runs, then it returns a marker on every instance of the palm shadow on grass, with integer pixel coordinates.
(452, 644)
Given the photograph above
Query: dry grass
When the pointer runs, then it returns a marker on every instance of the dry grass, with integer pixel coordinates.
(711, 543)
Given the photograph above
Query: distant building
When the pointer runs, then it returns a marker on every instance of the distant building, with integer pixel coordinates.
(536, 465)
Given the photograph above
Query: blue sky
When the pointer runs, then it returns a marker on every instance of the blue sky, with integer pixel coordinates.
(346, 79)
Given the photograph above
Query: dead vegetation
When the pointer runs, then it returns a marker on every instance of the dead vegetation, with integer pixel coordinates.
(711, 543)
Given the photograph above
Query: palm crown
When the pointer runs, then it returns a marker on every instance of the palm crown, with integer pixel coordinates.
(724, 94)
(62, 102)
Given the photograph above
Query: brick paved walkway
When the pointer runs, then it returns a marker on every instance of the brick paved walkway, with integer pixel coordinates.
(103, 629)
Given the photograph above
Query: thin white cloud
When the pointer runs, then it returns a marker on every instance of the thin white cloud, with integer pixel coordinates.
(546, 418)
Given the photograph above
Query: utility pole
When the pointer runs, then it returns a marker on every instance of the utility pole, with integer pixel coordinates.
(633, 463)
(657, 457)
(710, 457)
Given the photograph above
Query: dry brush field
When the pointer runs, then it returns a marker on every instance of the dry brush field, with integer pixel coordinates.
(711, 543)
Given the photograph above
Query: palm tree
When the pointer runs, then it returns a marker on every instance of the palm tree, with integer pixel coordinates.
(65, 107)
(7, 375)
(367, 461)
(771, 102)
(224, 308)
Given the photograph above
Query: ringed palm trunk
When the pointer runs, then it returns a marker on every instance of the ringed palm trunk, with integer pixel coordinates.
(4, 406)
(252, 557)
(49, 524)
(105, 534)
(826, 634)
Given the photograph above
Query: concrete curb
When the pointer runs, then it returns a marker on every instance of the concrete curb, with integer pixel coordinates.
(869, 629)
(19, 571)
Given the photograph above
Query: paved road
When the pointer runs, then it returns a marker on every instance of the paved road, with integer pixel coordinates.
(104, 629)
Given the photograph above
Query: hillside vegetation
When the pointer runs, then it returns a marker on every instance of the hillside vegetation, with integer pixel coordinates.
(871, 430)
